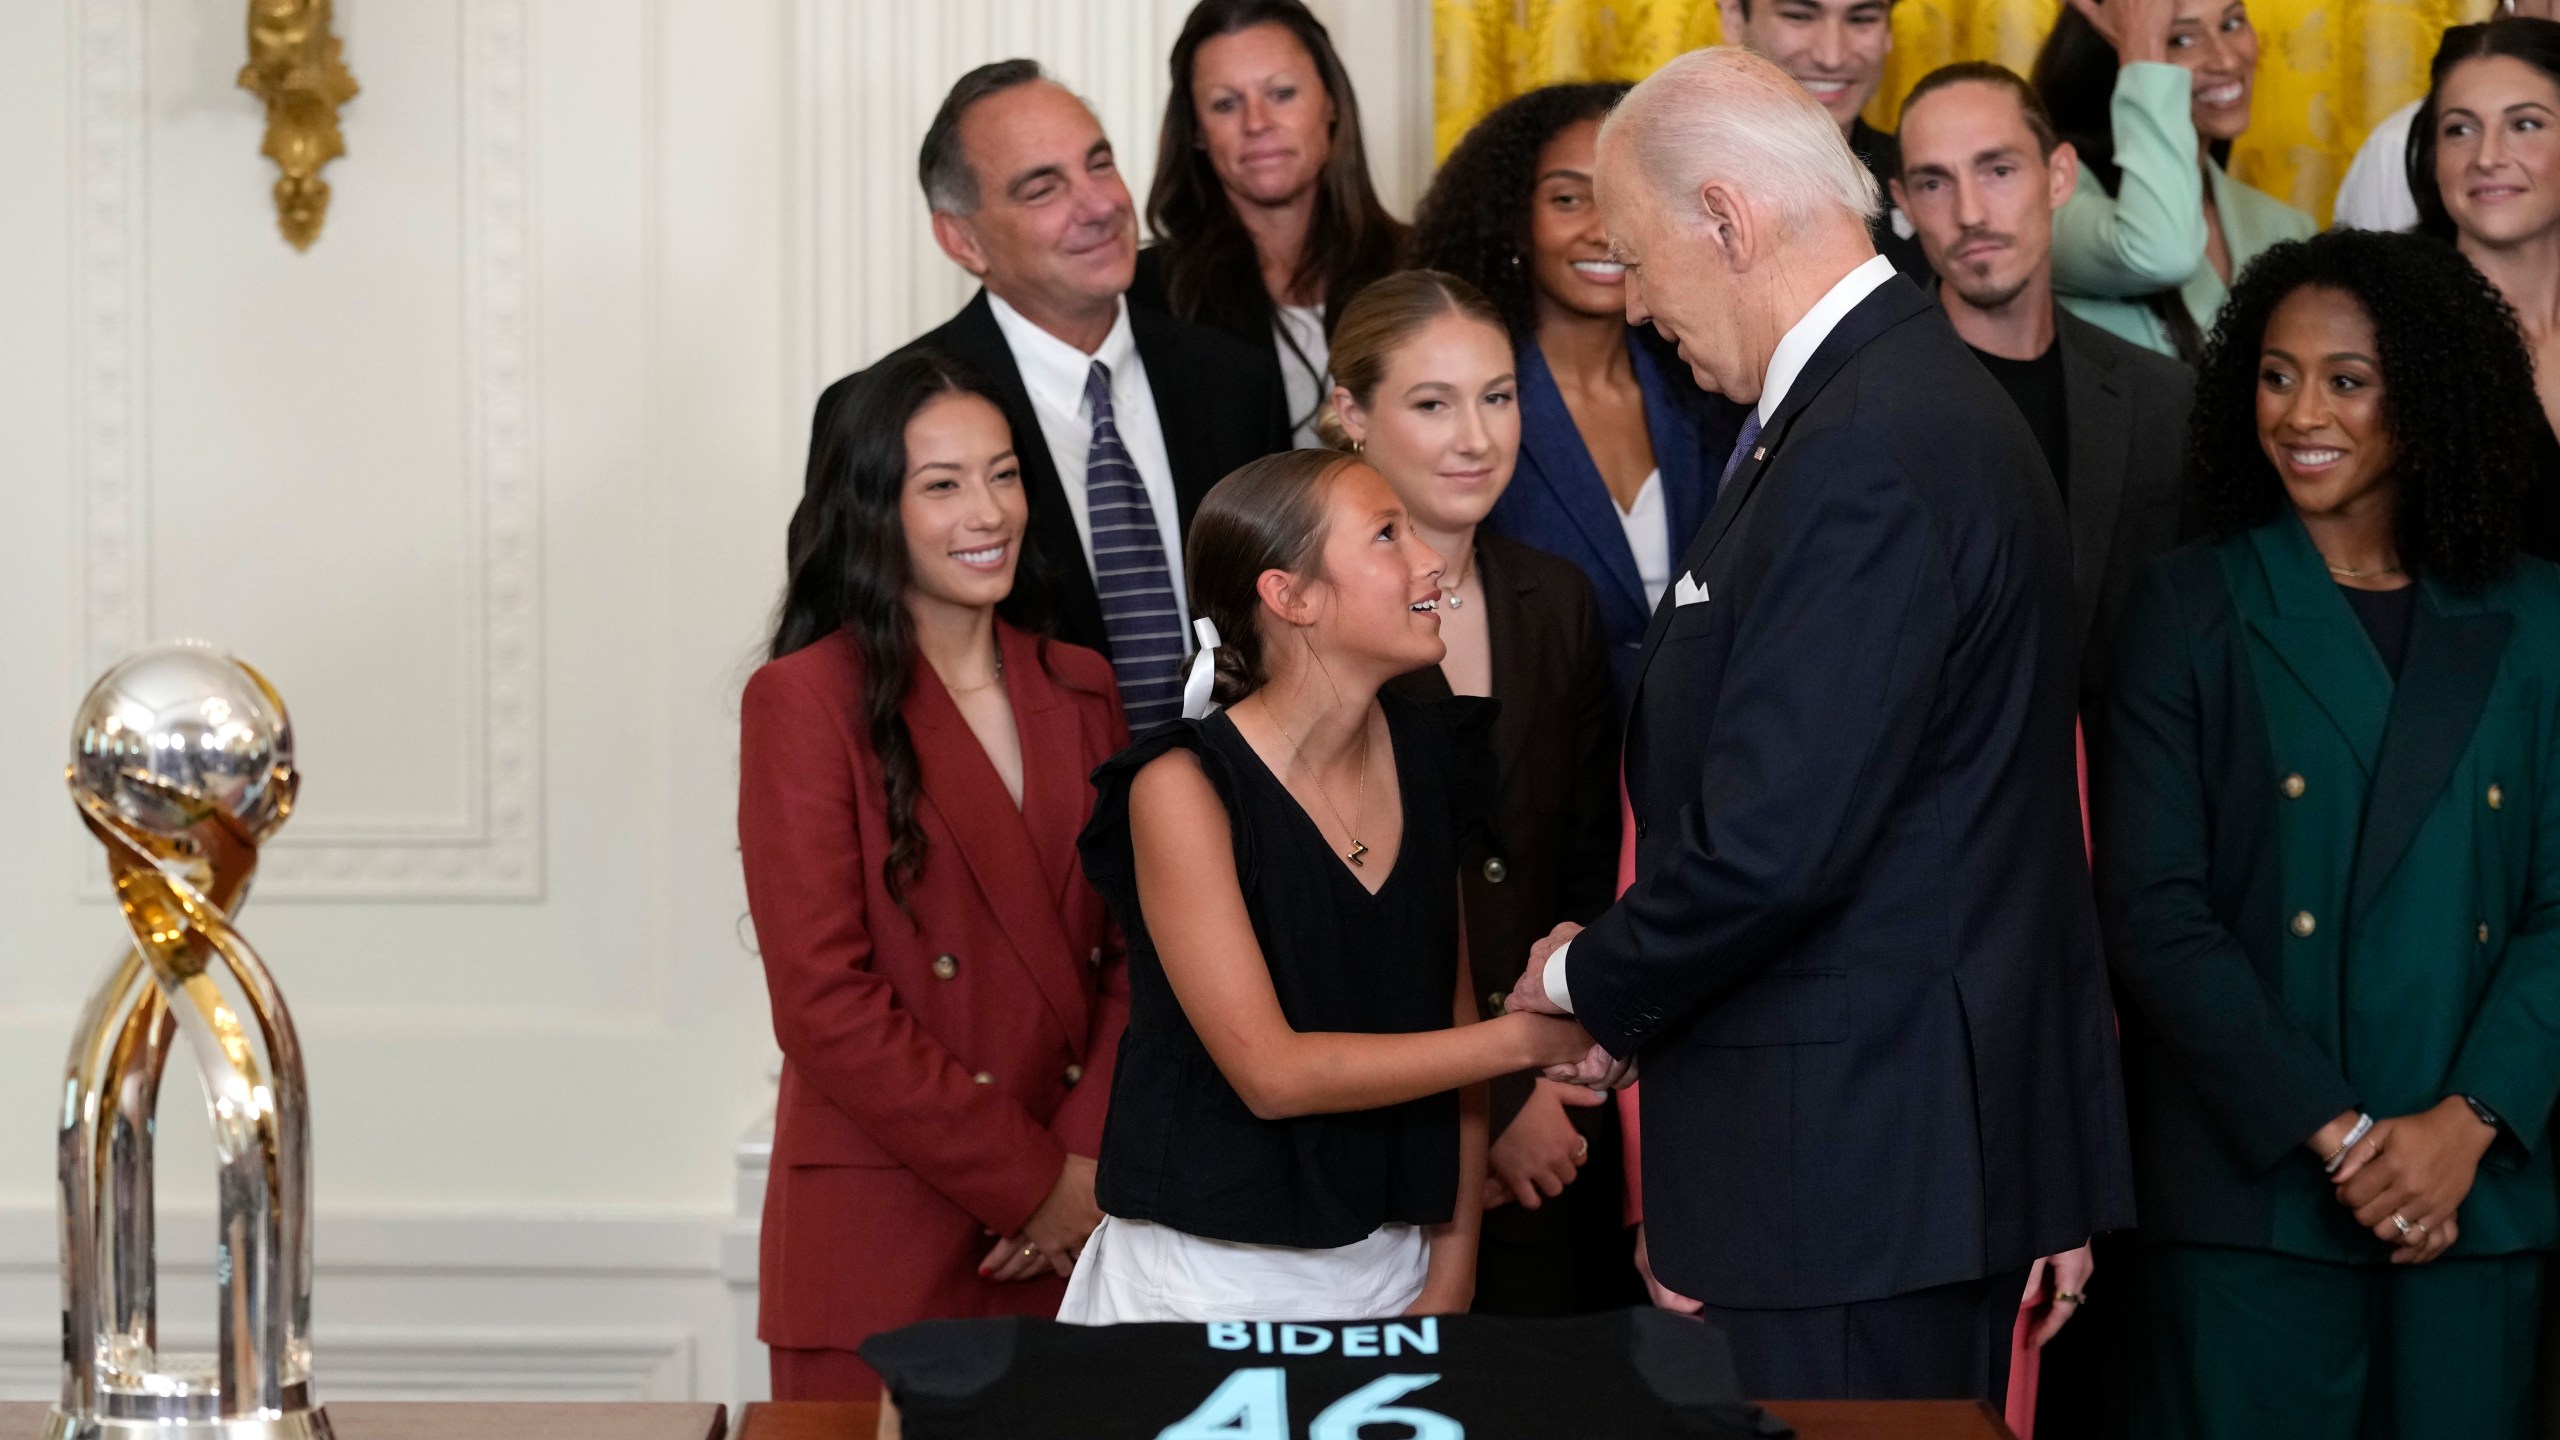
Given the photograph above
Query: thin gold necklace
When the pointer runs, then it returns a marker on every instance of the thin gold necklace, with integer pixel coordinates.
(2345, 573)
(1450, 592)
(983, 684)
(1359, 848)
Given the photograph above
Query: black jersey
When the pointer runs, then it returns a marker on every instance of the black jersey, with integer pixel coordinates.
(1631, 1375)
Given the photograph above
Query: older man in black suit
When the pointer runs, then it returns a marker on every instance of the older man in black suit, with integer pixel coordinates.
(1859, 961)
(1122, 418)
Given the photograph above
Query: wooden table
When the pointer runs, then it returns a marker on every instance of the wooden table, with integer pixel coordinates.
(1813, 1419)
(390, 1420)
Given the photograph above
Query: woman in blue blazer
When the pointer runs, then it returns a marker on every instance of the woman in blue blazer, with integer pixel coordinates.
(1619, 450)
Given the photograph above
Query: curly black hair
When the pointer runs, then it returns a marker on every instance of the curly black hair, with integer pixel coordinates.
(2457, 392)
(1474, 221)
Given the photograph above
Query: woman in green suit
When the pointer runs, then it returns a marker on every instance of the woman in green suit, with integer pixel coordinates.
(2330, 868)
(2151, 93)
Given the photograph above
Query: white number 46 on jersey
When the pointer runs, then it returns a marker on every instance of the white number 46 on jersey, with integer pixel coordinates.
(1254, 1405)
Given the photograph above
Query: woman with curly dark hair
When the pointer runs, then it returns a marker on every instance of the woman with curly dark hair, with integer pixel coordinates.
(2330, 868)
(1619, 451)
(1265, 219)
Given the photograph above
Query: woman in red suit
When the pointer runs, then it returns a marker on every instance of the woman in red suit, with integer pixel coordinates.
(946, 989)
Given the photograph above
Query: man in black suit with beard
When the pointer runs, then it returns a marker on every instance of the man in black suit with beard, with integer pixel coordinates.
(1859, 960)
(1982, 173)
(1122, 418)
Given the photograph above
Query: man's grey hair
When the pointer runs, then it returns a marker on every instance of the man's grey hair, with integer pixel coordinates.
(950, 186)
(1726, 114)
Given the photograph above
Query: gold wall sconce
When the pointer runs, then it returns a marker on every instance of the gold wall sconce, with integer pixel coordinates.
(294, 67)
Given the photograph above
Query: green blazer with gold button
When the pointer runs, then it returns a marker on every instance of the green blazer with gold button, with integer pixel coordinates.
(2327, 890)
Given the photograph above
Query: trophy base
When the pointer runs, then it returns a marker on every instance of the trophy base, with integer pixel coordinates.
(296, 1425)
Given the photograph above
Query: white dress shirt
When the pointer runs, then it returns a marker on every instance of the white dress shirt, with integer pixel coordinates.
(1647, 525)
(1794, 352)
(2375, 195)
(1054, 371)
(1297, 335)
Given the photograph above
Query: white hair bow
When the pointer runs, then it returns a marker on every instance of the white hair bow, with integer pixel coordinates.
(1196, 687)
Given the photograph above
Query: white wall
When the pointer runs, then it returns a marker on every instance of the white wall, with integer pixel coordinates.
(491, 482)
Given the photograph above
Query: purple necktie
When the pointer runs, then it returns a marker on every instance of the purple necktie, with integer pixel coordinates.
(1742, 444)
(1139, 611)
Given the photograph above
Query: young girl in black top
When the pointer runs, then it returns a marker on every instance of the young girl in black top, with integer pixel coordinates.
(1286, 1138)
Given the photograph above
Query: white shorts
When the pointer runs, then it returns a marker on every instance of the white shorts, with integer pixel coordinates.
(1134, 1270)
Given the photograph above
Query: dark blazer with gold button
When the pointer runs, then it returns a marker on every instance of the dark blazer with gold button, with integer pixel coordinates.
(1550, 853)
(2327, 891)
(940, 1060)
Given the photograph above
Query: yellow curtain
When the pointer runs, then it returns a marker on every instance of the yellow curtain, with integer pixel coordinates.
(2328, 69)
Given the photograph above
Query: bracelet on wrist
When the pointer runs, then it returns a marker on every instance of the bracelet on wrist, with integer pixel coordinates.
(2363, 1127)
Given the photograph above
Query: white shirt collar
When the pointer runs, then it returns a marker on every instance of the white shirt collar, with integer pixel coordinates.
(1053, 370)
(1796, 347)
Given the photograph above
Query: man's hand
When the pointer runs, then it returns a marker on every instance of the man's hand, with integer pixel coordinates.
(2407, 1182)
(1598, 1070)
(1671, 1300)
(1539, 1152)
(2070, 1274)
(1531, 991)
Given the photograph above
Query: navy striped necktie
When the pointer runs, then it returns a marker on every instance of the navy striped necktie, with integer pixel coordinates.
(1139, 611)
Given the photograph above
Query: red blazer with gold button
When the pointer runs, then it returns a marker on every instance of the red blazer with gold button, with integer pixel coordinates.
(939, 1061)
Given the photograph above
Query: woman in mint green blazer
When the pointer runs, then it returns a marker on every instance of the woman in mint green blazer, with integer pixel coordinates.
(2151, 93)
(2329, 862)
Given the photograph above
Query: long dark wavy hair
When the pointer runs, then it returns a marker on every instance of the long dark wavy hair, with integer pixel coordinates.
(2457, 393)
(1474, 222)
(2075, 76)
(849, 572)
(2534, 41)
(1211, 272)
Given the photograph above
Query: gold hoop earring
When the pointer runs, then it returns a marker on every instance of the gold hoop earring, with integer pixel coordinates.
(1360, 446)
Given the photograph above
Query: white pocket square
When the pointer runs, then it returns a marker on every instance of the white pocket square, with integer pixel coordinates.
(1690, 591)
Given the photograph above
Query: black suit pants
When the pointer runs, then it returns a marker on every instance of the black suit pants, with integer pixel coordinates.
(1950, 1342)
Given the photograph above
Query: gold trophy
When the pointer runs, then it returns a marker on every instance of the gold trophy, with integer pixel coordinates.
(182, 763)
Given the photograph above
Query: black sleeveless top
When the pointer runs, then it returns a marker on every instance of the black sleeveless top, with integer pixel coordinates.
(1179, 1146)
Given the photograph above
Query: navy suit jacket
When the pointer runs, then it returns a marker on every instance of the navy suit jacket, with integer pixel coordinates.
(1860, 959)
(1558, 503)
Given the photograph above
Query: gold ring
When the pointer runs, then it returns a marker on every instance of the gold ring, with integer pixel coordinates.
(2069, 1297)
(2400, 1220)
(1581, 1151)
(1030, 1250)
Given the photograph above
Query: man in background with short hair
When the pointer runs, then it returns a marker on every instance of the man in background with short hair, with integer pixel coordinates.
(1836, 50)
(1122, 418)
(1982, 173)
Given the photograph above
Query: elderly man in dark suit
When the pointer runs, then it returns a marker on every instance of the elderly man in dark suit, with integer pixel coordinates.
(1123, 418)
(1859, 961)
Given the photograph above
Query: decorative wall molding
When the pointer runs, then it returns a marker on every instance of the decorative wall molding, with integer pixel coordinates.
(412, 1363)
(495, 852)
(443, 1307)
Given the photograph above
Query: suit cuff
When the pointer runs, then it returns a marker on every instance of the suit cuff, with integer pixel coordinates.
(1559, 993)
